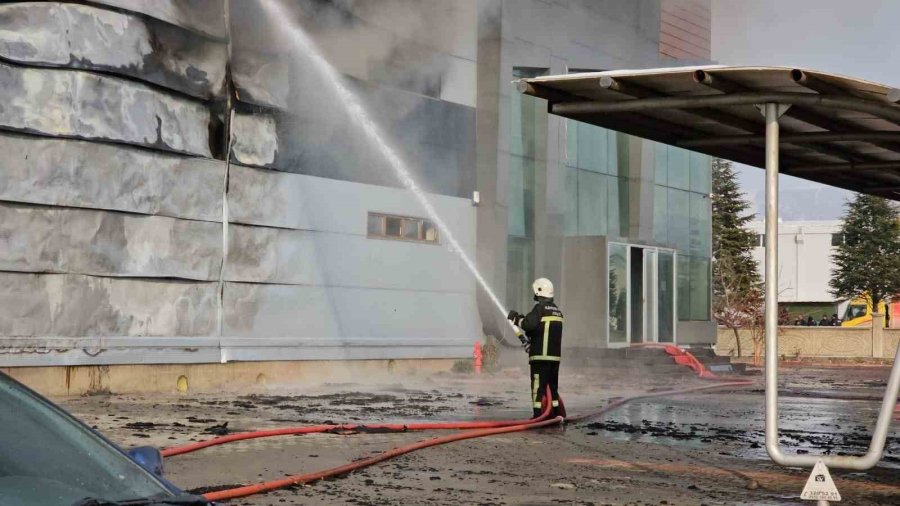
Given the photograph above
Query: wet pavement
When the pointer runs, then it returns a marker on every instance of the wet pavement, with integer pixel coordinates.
(705, 448)
(837, 428)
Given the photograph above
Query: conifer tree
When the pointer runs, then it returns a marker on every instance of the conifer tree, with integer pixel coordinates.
(732, 242)
(867, 261)
(737, 294)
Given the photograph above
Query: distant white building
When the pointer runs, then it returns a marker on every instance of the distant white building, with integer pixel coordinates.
(804, 264)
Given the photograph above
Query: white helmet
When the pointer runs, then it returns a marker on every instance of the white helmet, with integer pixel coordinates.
(543, 288)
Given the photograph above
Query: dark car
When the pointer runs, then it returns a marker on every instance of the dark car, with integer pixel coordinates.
(49, 458)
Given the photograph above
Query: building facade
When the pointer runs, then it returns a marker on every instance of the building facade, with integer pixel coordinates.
(180, 186)
(621, 224)
(804, 265)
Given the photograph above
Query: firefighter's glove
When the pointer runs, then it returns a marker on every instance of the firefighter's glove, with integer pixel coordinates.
(526, 342)
(513, 316)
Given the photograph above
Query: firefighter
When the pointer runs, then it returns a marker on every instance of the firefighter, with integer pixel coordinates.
(543, 342)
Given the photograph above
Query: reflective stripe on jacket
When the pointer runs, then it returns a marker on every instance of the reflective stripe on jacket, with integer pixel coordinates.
(543, 326)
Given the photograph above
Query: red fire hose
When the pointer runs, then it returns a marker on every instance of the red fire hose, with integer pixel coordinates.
(257, 488)
(473, 429)
(481, 429)
(677, 353)
(316, 429)
(346, 468)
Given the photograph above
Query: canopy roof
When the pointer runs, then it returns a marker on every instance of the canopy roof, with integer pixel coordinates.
(837, 130)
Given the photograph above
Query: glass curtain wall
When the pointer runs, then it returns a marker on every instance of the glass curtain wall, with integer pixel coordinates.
(682, 219)
(596, 172)
(596, 168)
(527, 148)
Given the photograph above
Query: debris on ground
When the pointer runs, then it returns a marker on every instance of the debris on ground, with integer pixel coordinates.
(690, 449)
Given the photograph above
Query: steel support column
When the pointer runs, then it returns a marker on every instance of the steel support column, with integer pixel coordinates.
(876, 445)
(771, 294)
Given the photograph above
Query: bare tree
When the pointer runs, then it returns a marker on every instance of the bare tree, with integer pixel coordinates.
(738, 302)
(757, 325)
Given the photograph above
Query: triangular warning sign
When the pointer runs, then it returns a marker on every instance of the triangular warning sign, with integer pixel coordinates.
(820, 486)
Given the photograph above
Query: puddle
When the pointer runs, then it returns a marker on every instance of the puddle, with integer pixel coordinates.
(724, 424)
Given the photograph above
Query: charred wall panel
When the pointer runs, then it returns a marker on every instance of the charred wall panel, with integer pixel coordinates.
(80, 104)
(42, 305)
(435, 139)
(113, 189)
(255, 139)
(25, 305)
(403, 59)
(77, 36)
(206, 17)
(261, 78)
(105, 243)
(111, 201)
(71, 173)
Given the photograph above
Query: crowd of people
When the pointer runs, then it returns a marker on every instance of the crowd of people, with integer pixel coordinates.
(809, 321)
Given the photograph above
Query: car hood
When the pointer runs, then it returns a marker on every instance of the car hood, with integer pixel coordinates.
(31, 490)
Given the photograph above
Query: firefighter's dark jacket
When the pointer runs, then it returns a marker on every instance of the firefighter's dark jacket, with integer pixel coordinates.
(543, 326)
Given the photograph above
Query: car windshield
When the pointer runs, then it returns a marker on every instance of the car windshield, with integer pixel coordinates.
(48, 458)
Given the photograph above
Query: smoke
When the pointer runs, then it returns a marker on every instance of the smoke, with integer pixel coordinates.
(396, 55)
(396, 42)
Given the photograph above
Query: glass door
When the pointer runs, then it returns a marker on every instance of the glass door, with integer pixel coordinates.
(665, 296)
(619, 301)
(651, 292)
(641, 295)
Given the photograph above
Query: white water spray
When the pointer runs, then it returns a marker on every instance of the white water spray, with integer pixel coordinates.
(354, 106)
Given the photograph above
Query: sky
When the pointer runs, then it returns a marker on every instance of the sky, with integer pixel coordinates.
(860, 38)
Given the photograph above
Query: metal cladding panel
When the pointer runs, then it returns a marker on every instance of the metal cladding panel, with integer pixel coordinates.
(77, 36)
(279, 199)
(25, 352)
(43, 239)
(25, 305)
(206, 17)
(111, 238)
(42, 351)
(270, 255)
(255, 139)
(159, 353)
(260, 78)
(404, 349)
(72, 173)
(81, 104)
(75, 305)
(256, 310)
(435, 138)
